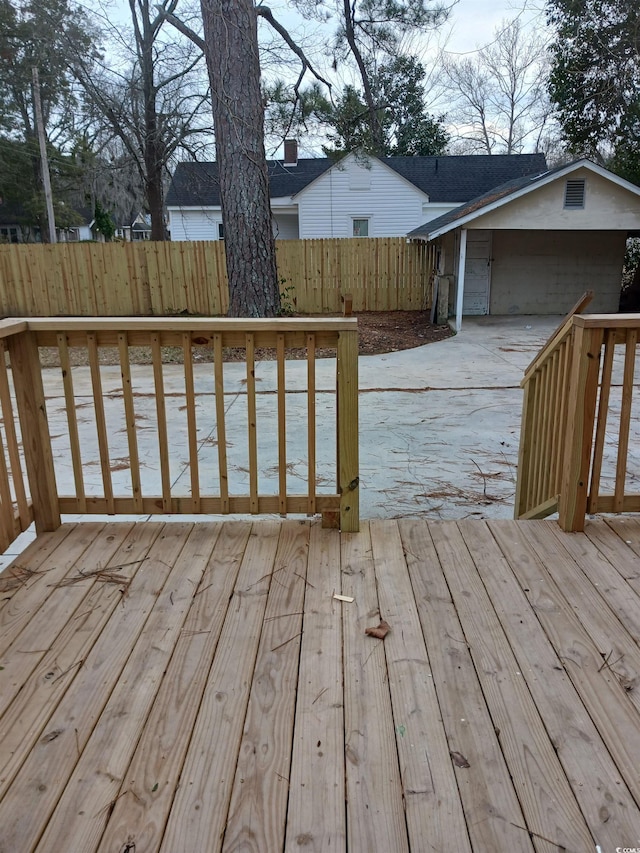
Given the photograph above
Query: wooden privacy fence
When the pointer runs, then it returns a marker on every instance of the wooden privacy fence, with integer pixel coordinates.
(578, 416)
(156, 279)
(222, 438)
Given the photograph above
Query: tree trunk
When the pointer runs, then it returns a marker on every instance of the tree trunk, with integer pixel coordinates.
(231, 36)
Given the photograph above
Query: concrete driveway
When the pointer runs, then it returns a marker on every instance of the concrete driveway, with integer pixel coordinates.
(440, 425)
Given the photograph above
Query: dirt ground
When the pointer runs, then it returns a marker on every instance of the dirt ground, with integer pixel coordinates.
(378, 332)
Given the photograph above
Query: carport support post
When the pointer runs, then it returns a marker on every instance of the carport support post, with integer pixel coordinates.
(462, 260)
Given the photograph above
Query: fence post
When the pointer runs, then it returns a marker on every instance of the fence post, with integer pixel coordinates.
(36, 439)
(583, 392)
(347, 413)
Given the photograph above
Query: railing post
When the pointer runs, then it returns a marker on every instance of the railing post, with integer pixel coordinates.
(583, 392)
(523, 482)
(36, 439)
(347, 411)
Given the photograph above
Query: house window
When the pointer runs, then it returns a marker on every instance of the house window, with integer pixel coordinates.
(220, 231)
(8, 235)
(360, 227)
(574, 195)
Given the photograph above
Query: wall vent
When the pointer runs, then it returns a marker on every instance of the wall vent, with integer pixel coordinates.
(574, 194)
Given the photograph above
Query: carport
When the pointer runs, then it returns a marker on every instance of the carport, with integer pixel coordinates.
(533, 245)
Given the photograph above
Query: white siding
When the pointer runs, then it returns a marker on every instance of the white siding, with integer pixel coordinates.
(434, 210)
(328, 207)
(191, 224)
(285, 226)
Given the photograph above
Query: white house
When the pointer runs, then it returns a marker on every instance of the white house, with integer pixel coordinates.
(358, 196)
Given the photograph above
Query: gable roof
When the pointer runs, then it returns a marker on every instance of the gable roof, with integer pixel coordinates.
(506, 193)
(443, 179)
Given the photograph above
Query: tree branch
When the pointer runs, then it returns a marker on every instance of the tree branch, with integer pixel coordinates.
(262, 12)
(182, 28)
(266, 13)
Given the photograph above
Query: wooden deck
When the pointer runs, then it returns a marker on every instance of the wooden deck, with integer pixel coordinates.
(193, 688)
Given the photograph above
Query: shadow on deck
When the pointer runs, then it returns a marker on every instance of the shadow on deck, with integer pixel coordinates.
(199, 687)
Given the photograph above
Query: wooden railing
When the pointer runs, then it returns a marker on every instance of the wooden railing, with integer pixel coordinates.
(16, 508)
(194, 457)
(577, 419)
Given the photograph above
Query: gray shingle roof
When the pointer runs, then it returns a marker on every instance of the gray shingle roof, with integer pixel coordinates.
(443, 179)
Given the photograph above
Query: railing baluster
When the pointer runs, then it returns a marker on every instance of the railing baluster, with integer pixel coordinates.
(535, 436)
(601, 422)
(191, 422)
(101, 423)
(130, 421)
(543, 413)
(7, 519)
(311, 422)
(72, 422)
(561, 424)
(221, 431)
(551, 432)
(161, 413)
(8, 417)
(282, 426)
(252, 422)
(523, 499)
(625, 419)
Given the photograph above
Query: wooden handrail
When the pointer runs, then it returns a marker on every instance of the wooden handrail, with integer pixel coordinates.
(560, 332)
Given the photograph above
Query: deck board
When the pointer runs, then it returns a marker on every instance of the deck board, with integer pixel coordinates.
(218, 697)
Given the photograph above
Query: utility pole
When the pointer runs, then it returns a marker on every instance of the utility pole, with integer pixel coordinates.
(46, 179)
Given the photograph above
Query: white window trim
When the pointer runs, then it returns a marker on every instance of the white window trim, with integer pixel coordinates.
(355, 219)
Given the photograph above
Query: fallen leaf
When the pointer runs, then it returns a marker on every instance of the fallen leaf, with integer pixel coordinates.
(380, 631)
(459, 760)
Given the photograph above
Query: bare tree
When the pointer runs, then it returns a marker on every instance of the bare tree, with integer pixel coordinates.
(500, 101)
(153, 102)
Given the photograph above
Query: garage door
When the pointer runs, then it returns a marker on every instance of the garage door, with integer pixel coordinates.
(477, 273)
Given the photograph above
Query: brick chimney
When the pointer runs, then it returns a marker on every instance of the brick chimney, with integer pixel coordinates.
(290, 152)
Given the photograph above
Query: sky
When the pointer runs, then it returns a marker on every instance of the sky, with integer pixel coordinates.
(473, 22)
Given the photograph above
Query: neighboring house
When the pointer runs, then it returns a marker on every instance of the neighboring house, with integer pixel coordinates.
(535, 244)
(136, 227)
(83, 230)
(359, 196)
(13, 227)
(141, 227)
